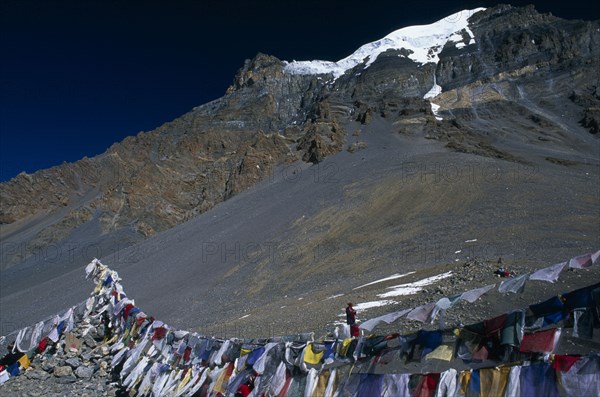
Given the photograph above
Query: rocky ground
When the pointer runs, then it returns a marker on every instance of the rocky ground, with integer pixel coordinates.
(322, 312)
(58, 373)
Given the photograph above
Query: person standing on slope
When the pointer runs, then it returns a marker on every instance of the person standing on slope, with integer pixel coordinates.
(350, 314)
(351, 319)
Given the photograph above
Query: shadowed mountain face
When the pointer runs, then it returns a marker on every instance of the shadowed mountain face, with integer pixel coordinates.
(297, 185)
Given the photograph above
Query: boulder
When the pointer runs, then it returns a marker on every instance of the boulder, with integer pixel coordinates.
(84, 372)
(63, 371)
(73, 362)
(66, 379)
(37, 374)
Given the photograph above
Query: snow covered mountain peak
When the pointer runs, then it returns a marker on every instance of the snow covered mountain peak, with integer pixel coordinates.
(424, 41)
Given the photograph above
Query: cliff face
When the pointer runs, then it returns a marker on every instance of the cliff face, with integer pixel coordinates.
(527, 77)
(158, 179)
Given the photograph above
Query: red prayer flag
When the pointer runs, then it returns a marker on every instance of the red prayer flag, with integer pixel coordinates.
(540, 342)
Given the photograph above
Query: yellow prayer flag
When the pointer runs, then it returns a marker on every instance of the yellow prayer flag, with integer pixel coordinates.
(345, 346)
(185, 380)
(493, 381)
(310, 357)
(24, 361)
(112, 340)
(463, 380)
(243, 352)
(443, 352)
(219, 386)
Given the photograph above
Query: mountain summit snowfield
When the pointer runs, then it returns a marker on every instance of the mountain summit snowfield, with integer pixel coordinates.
(423, 42)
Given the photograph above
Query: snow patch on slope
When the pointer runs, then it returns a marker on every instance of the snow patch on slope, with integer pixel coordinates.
(413, 288)
(435, 109)
(360, 307)
(434, 91)
(392, 277)
(369, 305)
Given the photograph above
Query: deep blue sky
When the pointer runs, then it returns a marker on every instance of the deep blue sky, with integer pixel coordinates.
(77, 76)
